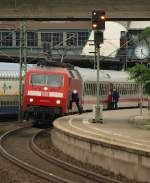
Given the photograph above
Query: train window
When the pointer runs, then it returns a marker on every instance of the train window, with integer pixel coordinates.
(55, 80)
(38, 79)
(129, 89)
(84, 89)
(85, 86)
(47, 80)
(94, 88)
(104, 89)
(90, 89)
(134, 89)
(120, 89)
(100, 87)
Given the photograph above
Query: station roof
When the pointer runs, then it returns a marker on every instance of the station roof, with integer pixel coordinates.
(78, 8)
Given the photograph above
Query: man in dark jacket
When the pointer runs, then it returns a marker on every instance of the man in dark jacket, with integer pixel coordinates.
(115, 98)
(75, 98)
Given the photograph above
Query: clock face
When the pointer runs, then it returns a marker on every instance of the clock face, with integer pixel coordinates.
(142, 51)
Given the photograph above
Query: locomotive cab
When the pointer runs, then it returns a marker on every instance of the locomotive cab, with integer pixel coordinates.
(44, 96)
(46, 93)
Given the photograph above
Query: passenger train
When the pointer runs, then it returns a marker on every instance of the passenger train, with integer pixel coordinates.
(47, 90)
(9, 90)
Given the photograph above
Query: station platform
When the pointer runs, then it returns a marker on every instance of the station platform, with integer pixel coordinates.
(121, 143)
(121, 127)
(126, 127)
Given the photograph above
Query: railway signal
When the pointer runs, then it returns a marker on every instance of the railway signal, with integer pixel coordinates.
(98, 38)
(98, 26)
(98, 20)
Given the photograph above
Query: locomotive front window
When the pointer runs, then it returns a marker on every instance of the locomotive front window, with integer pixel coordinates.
(47, 80)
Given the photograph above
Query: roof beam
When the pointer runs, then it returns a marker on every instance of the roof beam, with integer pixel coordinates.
(70, 19)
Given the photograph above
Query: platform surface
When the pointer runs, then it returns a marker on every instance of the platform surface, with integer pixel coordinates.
(124, 127)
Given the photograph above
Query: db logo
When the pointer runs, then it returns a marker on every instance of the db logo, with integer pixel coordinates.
(44, 94)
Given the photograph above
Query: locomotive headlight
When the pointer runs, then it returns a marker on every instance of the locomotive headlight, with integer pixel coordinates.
(31, 99)
(57, 101)
(45, 88)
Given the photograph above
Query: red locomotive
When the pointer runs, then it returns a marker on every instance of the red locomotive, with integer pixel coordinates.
(47, 91)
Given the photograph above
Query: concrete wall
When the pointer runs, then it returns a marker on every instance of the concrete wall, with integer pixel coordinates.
(128, 162)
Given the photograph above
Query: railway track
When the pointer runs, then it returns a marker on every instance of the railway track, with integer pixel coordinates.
(19, 147)
(7, 126)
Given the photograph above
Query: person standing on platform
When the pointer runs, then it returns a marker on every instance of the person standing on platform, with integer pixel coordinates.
(109, 100)
(115, 98)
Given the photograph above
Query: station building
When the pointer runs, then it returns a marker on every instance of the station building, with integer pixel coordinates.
(72, 41)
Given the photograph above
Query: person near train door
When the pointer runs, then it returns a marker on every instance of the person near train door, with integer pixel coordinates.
(109, 100)
(115, 98)
(76, 99)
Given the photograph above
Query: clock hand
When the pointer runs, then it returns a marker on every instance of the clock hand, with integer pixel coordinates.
(142, 52)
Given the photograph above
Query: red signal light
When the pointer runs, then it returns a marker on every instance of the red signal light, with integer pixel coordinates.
(94, 25)
(103, 17)
(98, 20)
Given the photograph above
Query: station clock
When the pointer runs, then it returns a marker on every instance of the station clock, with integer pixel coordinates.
(142, 51)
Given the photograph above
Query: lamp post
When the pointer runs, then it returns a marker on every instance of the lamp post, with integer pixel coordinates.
(23, 60)
(20, 75)
(98, 108)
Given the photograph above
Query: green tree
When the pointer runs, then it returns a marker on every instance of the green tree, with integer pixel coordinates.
(137, 73)
(145, 35)
(141, 74)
